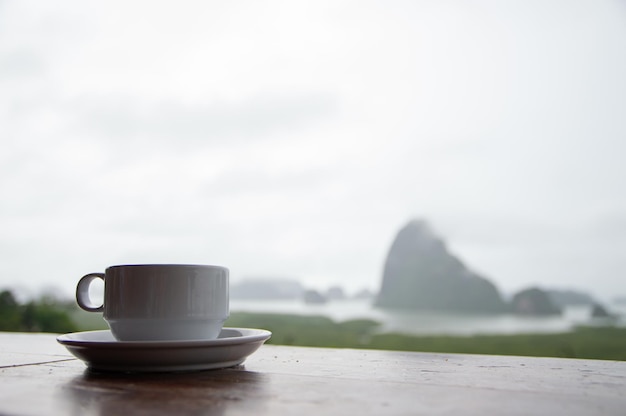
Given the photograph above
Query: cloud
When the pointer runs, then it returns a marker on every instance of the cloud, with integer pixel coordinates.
(21, 63)
(123, 118)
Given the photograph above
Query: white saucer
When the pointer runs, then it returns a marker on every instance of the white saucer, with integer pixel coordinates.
(101, 351)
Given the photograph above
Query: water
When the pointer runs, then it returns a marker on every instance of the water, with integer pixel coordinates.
(431, 323)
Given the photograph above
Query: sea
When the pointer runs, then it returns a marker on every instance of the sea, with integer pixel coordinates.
(436, 323)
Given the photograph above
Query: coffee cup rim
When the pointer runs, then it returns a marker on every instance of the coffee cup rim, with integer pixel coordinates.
(172, 265)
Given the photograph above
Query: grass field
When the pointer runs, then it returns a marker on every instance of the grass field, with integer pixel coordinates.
(607, 343)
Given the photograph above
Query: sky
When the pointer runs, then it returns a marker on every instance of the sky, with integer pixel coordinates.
(294, 139)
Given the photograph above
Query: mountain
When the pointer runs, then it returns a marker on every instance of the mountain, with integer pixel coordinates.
(534, 302)
(314, 297)
(420, 273)
(335, 293)
(266, 289)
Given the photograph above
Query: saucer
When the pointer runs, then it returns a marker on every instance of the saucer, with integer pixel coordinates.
(101, 351)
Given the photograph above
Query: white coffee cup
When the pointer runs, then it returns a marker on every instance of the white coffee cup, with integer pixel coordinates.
(150, 302)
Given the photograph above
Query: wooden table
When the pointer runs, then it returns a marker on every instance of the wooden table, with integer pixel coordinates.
(39, 377)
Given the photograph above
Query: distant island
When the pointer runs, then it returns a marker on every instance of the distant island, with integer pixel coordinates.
(290, 289)
(534, 301)
(420, 273)
(267, 289)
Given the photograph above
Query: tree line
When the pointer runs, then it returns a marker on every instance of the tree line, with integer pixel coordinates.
(45, 314)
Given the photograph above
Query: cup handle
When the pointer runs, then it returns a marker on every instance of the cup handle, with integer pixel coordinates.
(82, 293)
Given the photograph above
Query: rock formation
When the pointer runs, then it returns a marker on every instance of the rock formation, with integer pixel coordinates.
(266, 289)
(335, 293)
(534, 302)
(420, 273)
(598, 311)
(314, 297)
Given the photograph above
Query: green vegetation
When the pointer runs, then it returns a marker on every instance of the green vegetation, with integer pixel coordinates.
(312, 331)
(43, 315)
(608, 343)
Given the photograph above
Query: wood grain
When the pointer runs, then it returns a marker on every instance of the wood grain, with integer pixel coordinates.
(38, 377)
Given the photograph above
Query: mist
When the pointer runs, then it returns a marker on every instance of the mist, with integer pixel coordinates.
(294, 140)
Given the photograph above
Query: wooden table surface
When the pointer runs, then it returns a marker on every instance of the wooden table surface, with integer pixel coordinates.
(39, 377)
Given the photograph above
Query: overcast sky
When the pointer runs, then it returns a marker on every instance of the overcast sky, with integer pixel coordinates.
(294, 139)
